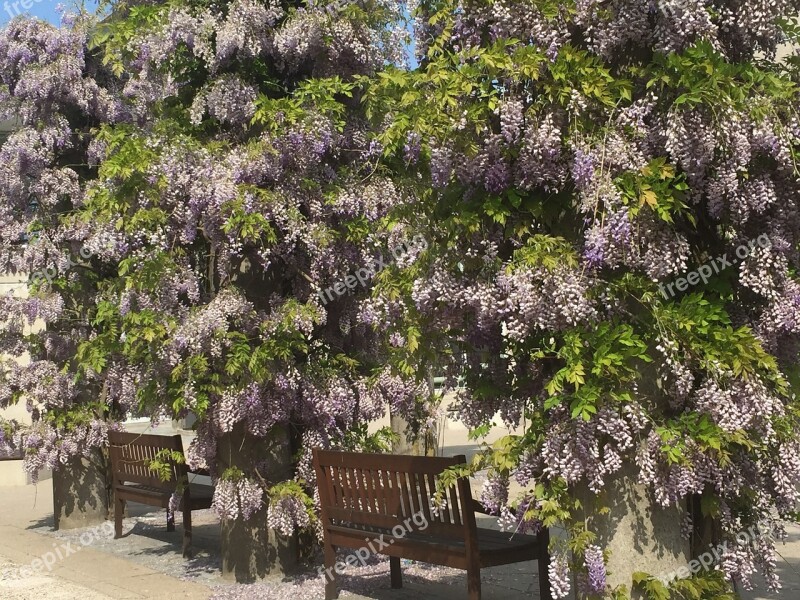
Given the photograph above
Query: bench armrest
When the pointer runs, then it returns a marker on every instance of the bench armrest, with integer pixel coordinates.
(479, 508)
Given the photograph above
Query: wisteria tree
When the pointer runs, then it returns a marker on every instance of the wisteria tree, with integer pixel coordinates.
(611, 196)
(53, 94)
(211, 164)
(195, 188)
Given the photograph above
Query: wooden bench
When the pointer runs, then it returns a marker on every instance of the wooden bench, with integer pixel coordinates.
(367, 502)
(134, 480)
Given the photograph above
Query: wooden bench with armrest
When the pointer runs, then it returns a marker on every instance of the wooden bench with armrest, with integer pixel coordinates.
(375, 501)
(134, 480)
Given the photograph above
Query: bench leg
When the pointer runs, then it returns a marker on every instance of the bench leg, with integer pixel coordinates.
(331, 589)
(474, 583)
(119, 509)
(544, 565)
(397, 574)
(187, 532)
(170, 521)
(544, 579)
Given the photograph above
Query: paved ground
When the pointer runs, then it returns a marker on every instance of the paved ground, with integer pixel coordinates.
(34, 587)
(85, 572)
(147, 563)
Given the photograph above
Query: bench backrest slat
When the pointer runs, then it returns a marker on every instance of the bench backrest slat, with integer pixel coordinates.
(131, 452)
(384, 491)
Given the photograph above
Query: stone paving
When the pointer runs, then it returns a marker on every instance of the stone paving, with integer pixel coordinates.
(85, 572)
(34, 587)
(147, 545)
(147, 563)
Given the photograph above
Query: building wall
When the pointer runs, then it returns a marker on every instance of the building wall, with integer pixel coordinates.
(17, 285)
(11, 472)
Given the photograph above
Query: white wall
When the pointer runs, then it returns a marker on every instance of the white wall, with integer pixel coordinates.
(11, 472)
(17, 285)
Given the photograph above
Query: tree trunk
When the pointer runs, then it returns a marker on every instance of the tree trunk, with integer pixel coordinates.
(426, 443)
(81, 492)
(706, 531)
(640, 535)
(250, 550)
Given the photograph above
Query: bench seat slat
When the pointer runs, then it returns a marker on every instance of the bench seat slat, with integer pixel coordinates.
(343, 515)
(387, 493)
(431, 551)
(405, 494)
(390, 462)
(197, 491)
(372, 500)
(496, 547)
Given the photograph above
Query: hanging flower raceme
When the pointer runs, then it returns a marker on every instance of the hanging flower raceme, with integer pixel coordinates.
(598, 273)
(595, 569)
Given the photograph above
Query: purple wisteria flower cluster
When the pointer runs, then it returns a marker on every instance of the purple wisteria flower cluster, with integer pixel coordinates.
(556, 203)
(223, 162)
(209, 160)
